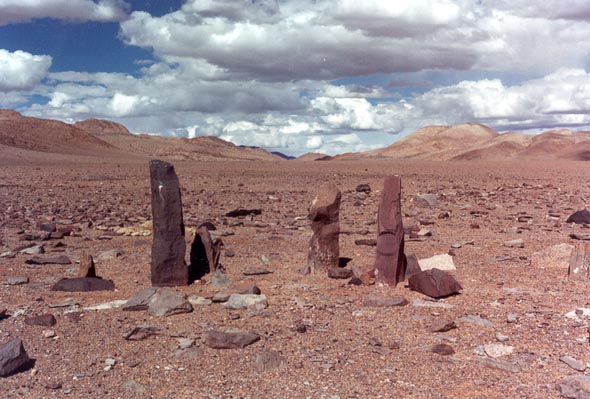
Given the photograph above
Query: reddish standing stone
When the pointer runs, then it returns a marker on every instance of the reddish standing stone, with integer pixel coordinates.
(87, 268)
(390, 263)
(168, 246)
(324, 214)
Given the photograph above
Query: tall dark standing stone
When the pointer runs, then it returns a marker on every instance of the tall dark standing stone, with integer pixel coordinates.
(324, 215)
(390, 262)
(168, 246)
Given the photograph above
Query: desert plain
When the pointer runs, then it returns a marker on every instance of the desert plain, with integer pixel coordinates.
(518, 329)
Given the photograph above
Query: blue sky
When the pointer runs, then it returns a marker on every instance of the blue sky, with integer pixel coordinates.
(298, 76)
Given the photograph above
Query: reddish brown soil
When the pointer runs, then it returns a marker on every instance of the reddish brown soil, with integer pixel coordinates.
(339, 355)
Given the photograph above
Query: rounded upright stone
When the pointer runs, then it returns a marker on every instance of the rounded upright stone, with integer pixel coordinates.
(390, 262)
(168, 246)
(324, 214)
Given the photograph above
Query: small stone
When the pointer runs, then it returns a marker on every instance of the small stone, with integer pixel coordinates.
(497, 350)
(435, 283)
(140, 333)
(375, 301)
(49, 334)
(518, 243)
(573, 363)
(579, 217)
(53, 385)
(339, 273)
(49, 260)
(45, 320)
(229, 340)
(246, 288)
(366, 241)
(189, 353)
(131, 386)
(13, 357)
(140, 300)
(511, 317)
(83, 284)
(502, 338)
(441, 262)
(499, 365)
(244, 301)
(255, 271)
(477, 320)
(15, 280)
(220, 279)
(167, 302)
(220, 297)
(185, 343)
(243, 212)
(442, 326)
(363, 188)
(575, 386)
(442, 349)
(427, 201)
(109, 255)
(199, 300)
(270, 361)
(34, 250)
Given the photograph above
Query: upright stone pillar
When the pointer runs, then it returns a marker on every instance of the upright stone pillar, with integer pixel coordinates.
(324, 215)
(390, 263)
(168, 246)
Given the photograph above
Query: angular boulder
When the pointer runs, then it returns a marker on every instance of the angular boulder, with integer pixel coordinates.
(13, 357)
(83, 284)
(390, 262)
(168, 267)
(324, 250)
(579, 217)
(434, 283)
(230, 339)
(167, 302)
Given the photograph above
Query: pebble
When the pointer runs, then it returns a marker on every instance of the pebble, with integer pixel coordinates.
(502, 338)
(512, 318)
(477, 320)
(573, 363)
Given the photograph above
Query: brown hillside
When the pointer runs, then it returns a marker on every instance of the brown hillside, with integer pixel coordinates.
(47, 135)
(100, 127)
(95, 137)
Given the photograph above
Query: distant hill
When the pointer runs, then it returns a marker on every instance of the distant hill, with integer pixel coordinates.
(313, 156)
(103, 138)
(473, 142)
(45, 135)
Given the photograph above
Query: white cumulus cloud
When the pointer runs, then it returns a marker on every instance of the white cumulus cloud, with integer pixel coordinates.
(17, 11)
(20, 70)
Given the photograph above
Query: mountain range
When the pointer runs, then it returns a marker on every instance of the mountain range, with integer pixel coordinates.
(103, 138)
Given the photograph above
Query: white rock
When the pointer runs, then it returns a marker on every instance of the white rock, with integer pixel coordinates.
(244, 301)
(577, 313)
(107, 305)
(441, 262)
(498, 350)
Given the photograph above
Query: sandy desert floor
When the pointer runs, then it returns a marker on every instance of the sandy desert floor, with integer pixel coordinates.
(347, 349)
